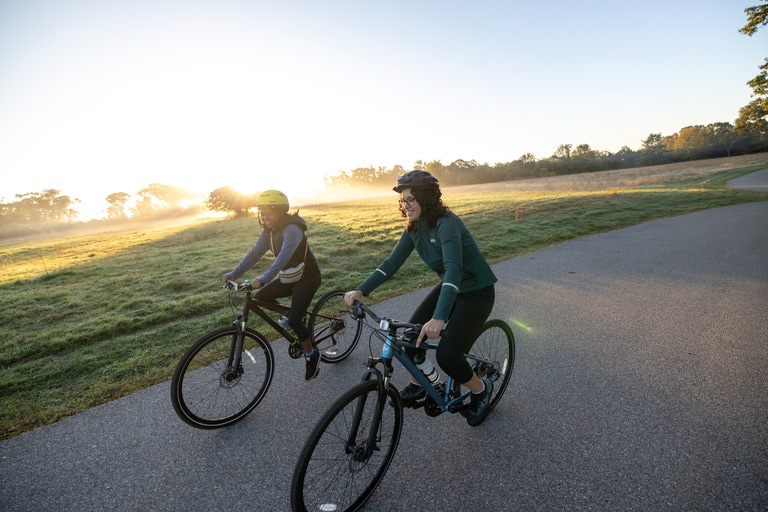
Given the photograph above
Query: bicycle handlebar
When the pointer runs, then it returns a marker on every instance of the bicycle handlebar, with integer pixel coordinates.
(385, 324)
(238, 287)
(410, 332)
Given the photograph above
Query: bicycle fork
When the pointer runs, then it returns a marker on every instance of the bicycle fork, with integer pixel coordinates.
(234, 368)
(364, 452)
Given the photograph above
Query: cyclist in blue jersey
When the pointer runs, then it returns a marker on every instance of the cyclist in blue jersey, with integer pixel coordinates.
(464, 297)
(284, 234)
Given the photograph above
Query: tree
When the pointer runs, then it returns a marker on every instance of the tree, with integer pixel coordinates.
(362, 175)
(690, 138)
(226, 199)
(752, 117)
(163, 196)
(752, 120)
(653, 150)
(653, 143)
(436, 168)
(116, 208)
(157, 196)
(459, 172)
(45, 206)
(757, 16)
(626, 157)
(563, 151)
(759, 84)
(584, 151)
(722, 134)
(397, 171)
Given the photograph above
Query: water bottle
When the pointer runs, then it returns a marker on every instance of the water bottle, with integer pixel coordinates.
(284, 322)
(426, 367)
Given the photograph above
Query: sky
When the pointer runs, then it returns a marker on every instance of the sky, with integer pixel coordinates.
(104, 96)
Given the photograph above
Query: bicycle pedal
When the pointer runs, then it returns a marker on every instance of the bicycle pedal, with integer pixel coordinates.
(415, 404)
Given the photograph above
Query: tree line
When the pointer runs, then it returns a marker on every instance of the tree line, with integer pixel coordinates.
(690, 143)
(36, 211)
(165, 201)
(50, 206)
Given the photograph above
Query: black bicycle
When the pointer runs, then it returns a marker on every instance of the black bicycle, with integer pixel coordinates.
(226, 373)
(350, 449)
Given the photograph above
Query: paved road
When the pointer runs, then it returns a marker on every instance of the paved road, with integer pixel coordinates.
(640, 384)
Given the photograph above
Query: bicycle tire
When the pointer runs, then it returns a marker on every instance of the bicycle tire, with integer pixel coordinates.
(326, 476)
(334, 332)
(207, 395)
(496, 344)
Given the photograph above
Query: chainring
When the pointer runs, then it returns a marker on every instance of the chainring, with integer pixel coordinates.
(295, 350)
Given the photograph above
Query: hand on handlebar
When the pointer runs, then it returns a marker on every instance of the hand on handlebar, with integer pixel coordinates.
(230, 285)
(247, 285)
(353, 296)
(431, 330)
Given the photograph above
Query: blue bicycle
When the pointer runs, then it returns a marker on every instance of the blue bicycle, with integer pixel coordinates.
(350, 449)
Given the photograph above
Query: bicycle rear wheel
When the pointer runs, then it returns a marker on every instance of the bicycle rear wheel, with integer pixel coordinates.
(206, 393)
(334, 332)
(496, 344)
(332, 472)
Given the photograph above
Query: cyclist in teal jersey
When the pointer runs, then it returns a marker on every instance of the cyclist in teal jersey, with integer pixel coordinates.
(464, 297)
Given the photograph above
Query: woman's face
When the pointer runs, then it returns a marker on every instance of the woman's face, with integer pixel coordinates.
(409, 205)
(269, 215)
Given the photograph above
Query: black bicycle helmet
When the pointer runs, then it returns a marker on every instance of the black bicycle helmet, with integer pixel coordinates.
(415, 179)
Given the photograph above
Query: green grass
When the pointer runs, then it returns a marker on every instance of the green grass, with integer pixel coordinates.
(89, 319)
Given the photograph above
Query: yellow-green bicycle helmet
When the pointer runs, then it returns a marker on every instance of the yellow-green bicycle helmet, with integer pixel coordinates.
(272, 198)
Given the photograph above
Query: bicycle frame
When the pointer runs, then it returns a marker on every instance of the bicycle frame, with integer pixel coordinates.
(393, 348)
(241, 321)
(258, 307)
(395, 341)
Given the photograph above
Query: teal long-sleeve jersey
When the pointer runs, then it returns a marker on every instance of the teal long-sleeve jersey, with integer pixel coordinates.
(450, 250)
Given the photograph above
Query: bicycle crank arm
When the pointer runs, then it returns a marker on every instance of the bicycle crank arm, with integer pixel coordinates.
(458, 408)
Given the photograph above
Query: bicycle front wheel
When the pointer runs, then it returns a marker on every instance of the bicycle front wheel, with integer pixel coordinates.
(338, 468)
(207, 392)
(334, 332)
(495, 345)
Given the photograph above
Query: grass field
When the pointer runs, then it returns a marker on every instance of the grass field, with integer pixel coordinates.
(90, 318)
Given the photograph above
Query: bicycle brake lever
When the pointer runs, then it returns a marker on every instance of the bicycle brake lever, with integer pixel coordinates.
(412, 333)
(357, 311)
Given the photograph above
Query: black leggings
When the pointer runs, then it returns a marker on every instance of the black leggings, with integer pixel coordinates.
(470, 311)
(301, 292)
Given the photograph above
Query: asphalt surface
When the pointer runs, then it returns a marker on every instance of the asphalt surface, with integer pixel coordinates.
(640, 384)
